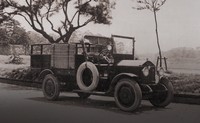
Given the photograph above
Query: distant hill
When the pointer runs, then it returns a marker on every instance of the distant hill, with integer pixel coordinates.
(181, 57)
(182, 53)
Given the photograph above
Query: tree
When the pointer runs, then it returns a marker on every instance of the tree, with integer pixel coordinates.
(4, 16)
(4, 38)
(154, 6)
(12, 33)
(19, 36)
(38, 12)
(6, 30)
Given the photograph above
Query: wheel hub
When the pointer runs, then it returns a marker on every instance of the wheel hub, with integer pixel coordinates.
(126, 96)
(50, 88)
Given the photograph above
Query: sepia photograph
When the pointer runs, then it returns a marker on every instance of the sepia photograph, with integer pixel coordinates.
(99, 61)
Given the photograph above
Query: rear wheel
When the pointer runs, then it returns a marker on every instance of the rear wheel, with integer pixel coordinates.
(83, 95)
(128, 95)
(51, 87)
(163, 99)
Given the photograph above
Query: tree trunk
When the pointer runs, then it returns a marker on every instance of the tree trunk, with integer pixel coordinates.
(157, 37)
(69, 34)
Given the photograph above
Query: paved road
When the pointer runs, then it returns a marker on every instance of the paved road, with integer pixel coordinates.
(27, 105)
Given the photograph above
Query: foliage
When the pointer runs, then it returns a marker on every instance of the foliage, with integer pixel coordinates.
(3, 16)
(152, 5)
(22, 74)
(38, 12)
(12, 33)
(6, 29)
(4, 38)
(185, 83)
(19, 36)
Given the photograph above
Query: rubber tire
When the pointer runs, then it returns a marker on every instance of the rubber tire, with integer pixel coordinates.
(56, 85)
(83, 95)
(95, 75)
(170, 94)
(137, 93)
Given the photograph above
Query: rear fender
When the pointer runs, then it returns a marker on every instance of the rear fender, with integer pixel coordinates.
(43, 73)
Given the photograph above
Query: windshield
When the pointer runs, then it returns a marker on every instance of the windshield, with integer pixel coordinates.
(120, 44)
(96, 43)
(123, 45)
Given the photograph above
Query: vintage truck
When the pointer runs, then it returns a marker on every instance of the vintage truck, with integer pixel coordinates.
(100, 66)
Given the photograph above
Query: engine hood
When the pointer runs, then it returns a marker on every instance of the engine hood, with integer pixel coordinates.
(135, 63)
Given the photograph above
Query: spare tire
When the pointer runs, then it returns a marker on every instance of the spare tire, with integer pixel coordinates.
(87, 76)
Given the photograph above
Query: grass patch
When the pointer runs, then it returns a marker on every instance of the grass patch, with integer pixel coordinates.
(22, 74)
(185, 83)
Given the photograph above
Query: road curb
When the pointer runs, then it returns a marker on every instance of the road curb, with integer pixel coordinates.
(21, 82)
(187, 98)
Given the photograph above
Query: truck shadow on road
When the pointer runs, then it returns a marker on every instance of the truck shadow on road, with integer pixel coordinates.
(108, 105)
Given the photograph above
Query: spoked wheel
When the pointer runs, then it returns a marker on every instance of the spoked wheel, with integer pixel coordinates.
(83, 95)
(51, 87)
(128, 95)
(163, 99)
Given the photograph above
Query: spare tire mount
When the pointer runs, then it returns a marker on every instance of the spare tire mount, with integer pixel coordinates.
(87, 76)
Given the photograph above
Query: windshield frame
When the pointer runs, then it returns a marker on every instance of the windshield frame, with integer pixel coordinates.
(123, 37)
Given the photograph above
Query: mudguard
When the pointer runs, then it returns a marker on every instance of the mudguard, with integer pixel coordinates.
(118, 77)
(44, 72)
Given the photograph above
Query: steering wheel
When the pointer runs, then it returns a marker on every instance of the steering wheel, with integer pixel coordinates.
(104, 54)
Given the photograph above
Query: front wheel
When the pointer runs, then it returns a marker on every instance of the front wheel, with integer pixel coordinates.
(51, 87)
(164, 98)
(128, 95)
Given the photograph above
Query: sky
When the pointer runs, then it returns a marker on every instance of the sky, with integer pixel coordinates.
(178, 25)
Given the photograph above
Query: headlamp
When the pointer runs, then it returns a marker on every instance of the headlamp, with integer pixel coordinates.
(145, 71)
(109, 47)
(161, 71)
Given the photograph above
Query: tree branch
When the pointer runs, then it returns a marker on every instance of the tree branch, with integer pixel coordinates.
(39, 23)
(65, 7)
(162, 3)
(32, 12)
(25, 19)
(155, 3)
(47, 17)
(28, 2)
(74, 16)
(150, 5)
(78, 19)
(88, 21)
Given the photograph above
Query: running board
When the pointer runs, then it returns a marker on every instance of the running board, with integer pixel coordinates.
(92, 92)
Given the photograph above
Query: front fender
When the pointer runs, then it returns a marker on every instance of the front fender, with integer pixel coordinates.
(118, 77)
